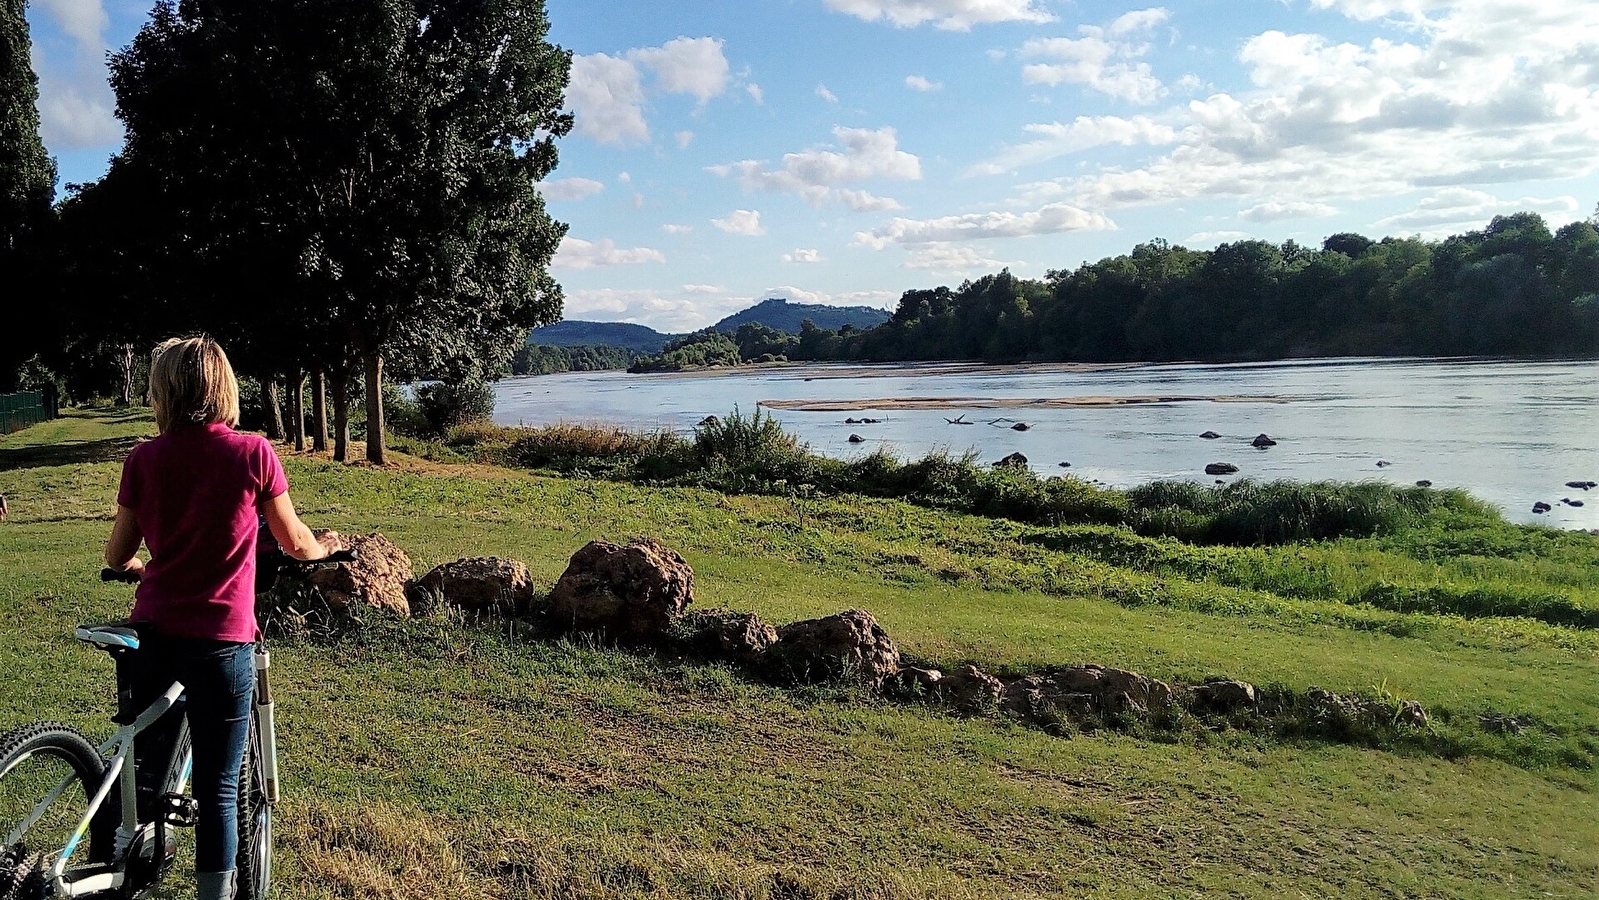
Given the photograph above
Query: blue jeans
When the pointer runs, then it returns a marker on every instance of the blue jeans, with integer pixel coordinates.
(218, 681)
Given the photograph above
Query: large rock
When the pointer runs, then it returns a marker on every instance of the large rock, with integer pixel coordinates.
(1221, 468)
(847, 645)
(482, 584)
(742, 635)
(1013, 461)
(1083, 690)
(377, 577)
(1225, 695)
(971, 690)
(1263, 440)
(634, 593)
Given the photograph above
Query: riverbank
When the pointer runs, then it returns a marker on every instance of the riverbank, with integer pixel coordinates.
(889, 404)
(577, 771)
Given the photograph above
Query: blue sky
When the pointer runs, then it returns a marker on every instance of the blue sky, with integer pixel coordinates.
(846, 150)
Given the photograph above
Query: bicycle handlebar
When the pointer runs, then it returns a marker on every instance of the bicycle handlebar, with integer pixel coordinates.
(334, 558)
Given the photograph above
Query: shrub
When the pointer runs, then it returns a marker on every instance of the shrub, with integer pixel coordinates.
(445, 405)
(1248, 512)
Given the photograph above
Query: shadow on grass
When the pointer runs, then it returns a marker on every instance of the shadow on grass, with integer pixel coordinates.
(66, 453)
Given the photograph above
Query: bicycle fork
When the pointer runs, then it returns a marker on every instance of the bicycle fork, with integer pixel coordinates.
(266, 725)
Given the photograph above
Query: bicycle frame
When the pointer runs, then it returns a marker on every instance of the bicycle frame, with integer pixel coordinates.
(119, 772)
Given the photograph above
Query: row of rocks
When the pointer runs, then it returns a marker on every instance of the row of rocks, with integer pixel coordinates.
(641, 594)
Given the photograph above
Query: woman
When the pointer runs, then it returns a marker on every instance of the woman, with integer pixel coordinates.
(192, 496)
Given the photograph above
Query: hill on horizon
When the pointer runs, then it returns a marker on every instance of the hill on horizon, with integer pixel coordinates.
(578, 333)
(784, 316)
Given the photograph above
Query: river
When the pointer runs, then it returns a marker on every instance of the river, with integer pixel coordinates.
(1512, 432)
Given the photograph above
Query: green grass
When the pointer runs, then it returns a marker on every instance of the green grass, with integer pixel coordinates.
(438, 759)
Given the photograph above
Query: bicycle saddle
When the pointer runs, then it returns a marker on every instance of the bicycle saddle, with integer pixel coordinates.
(110, 636)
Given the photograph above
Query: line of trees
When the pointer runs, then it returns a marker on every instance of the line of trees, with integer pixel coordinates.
(1513, 288)
(337, 191)
(542, 359)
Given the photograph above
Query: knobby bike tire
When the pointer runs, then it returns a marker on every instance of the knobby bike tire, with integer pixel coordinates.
(255, 822)
(22, 867)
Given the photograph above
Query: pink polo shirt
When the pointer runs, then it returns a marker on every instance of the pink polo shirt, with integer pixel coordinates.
(195, 492)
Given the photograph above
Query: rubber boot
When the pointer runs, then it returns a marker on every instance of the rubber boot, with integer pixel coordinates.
(216, 885)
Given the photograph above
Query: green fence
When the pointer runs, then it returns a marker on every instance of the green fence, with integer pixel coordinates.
(18, 411)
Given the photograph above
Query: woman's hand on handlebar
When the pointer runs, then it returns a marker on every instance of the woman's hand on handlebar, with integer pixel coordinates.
(331, 541)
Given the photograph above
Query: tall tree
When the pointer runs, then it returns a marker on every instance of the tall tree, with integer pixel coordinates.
(378, 157)
(27, 179)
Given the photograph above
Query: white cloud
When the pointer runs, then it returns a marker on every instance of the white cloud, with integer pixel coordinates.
(918, 83)
(82, 20)
(944, 259)
(949, 15)
(671, 228)
(73, 115)
(1100, 64)
(1211, 239)
(687, 66)
(1453, 210)
(1139, 20)
(803, 256)
(1474, 94)
(704, 289)
(606, 93)
(671, 314)
(746, 222)
(570, 189)
(576, 253)
(825, 94)
(1281, 210)
(624, 177)
(684, 138)
(1083, 133)
(1053, 218)
(861, 201)
(756, 94)
(819, 174)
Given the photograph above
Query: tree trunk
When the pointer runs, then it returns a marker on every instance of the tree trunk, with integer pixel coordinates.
(341, 411)
(374, 407)
(125, 363)
(297, 409)
(319, 410)
(274, 409)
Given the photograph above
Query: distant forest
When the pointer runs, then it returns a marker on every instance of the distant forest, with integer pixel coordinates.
(539, 359)
(1512, 288)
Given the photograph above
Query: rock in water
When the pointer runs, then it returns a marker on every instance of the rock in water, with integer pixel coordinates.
(1262, 440)
(1383, 463)
(1221, 468)
(634, 593)
(482, 584)
(377, 577)
(846, 645)
(1065, 465)
(851, 422)
(1014, 461)
(1424, 483)
(1020, 426)
(856, 439)
(1210, 435)
(1540, 508)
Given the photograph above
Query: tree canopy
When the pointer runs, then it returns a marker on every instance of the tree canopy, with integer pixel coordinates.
(27, 176)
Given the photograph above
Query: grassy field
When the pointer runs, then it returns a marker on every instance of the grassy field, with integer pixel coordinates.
(439, 759)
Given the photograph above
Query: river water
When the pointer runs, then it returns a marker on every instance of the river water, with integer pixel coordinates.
(1512, 432)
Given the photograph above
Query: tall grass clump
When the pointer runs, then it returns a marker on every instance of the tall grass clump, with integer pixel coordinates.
(753, 454)
(1249, 512)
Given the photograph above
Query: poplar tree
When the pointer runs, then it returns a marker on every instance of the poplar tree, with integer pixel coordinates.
(27, 182)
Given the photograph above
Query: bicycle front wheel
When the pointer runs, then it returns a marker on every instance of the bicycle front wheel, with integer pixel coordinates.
(48, 774)
(255, 822)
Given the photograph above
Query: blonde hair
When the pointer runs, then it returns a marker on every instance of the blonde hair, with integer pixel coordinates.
(192, 383)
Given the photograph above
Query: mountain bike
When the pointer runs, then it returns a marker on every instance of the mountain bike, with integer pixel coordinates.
(78, 822)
